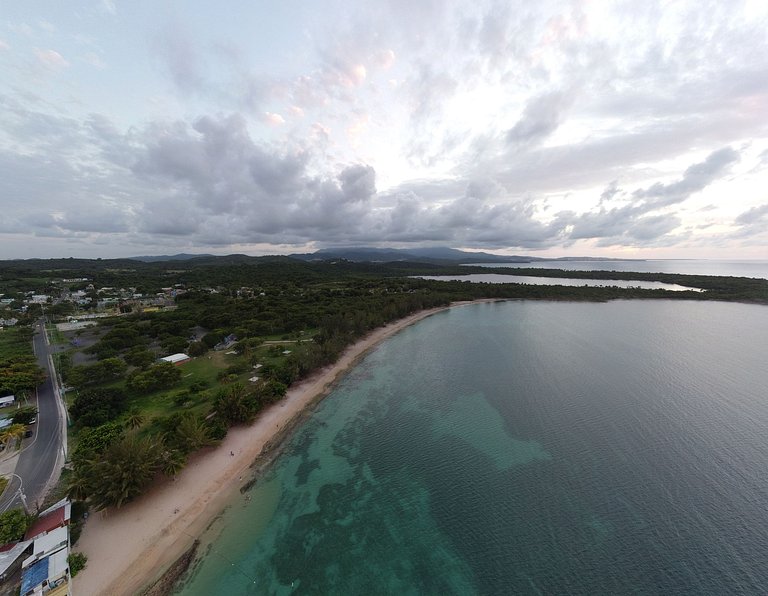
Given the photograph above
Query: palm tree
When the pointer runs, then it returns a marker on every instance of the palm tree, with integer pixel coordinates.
(192, 433)
(173, 462)
(135, 419)
(14, 431)
(78, 484)
(124, 470)
(234, 404)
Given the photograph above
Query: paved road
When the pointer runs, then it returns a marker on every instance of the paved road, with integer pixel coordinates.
(40, 454)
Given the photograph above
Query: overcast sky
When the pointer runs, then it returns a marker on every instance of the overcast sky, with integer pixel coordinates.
(634, 129)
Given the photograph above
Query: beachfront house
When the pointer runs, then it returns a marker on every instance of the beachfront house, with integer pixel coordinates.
(46, 570)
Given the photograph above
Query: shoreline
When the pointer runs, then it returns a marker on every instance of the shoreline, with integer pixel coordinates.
(131, 548)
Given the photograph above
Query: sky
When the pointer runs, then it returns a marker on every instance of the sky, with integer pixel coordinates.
(549, 128)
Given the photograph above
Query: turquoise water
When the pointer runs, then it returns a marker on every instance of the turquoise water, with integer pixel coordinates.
(523, 448)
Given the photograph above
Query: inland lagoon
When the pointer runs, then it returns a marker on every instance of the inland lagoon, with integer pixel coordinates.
(521, 448)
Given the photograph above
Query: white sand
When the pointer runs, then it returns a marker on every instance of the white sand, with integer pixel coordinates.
(131, 547)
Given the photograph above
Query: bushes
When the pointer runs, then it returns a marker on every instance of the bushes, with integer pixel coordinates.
(94, 374)
(13, 524)
(92, 407)
(77, 562)
(24, 415)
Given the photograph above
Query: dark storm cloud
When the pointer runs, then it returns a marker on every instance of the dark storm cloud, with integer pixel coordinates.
(218, 171)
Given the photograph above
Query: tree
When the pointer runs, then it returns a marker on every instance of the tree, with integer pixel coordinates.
(192, 434)
(159, 376)
(19, 373)
(92, 407)
(24, 415)
(135, 419)
(123, 471)
(13, 524)
(140, 357)
(172, 462)
(93, 441)
(14, 431)
(235, 405)
(77, 485)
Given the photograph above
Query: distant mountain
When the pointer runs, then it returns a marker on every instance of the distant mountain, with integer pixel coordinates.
(423, 255)
(439, 254)
(178, 257)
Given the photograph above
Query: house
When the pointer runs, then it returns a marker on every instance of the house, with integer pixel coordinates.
(46, 570)
(176, 358)
(8, 400)
(226, 343)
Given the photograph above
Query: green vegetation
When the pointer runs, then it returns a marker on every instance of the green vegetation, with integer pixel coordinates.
(13, 524)
(253, 327)
(14, 432)
(19, 372)
(24, 415)
(76, 562)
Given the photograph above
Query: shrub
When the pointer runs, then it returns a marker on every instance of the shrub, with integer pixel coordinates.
(77, 562)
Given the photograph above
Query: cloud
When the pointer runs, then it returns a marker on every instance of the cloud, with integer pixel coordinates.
(635, 222)
(182, 59)
(753, 216)
(51, 59)
(694, 179)
(273, 119)
(541, 117)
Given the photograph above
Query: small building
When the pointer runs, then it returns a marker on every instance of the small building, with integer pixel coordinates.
(8, 400)
(176, 359)
(226, 343)
(51, 519)
(46, 570)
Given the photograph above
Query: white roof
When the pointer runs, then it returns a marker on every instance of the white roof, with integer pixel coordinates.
(175, 357)
(9, 557)
(8, 399)
(51, 542)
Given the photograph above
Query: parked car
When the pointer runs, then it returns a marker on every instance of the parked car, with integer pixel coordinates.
(33, 420)
(28, 433)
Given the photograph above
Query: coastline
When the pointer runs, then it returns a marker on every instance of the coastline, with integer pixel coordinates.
(130, 548)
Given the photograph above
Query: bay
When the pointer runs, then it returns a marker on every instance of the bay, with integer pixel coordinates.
(738, 268)
(522, 447)
(495, 278)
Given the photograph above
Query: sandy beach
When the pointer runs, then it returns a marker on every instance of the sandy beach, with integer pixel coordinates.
(131, 547)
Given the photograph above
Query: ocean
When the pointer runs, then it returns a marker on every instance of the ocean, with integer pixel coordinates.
(522, 448)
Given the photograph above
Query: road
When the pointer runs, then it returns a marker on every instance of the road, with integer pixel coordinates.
(42, 454)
